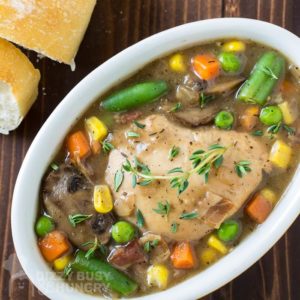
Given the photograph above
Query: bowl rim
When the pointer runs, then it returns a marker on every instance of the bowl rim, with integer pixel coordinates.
(50, 137)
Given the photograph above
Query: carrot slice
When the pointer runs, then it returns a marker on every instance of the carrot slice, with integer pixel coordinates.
(54, 245)
(183, 257)
(206, 66)
(78, 145)
(249, 118)
(259, 208)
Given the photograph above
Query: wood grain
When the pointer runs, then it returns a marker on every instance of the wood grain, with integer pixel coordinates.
(117, 24)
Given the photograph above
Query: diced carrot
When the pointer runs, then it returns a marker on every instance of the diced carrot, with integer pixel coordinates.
(250, 117)
(78, 145)
(183, 257)
(287, 86)
(259, 208)
(54, 245)
(96, 147)
(206, 66)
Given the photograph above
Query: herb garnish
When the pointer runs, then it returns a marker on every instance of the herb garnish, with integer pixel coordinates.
(67, 270)
(174, 151)
(276, 128)
(176, 107)
(132, 134)
(290, 130)
(204, 99)
(139, 125)
(119, 176)
(242, 167)
(107, 146)
(149, 245)
(54, 166)
(188, 215)
(174, 227)
(95, 246)
(202, 162)
(140, 219)
(257, 133)
(163, 209)
(267, 70)
(78, 218)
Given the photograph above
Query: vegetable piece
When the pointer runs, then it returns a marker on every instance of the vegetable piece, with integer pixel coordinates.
(230, 62)
(158, 275)
(234, 46)
(263, 79)
(224, 120)
(280, 154)
(224, 87)
(250, 117)
(258, 208)
(289, 112)
(206, 66)
(103, 202)
(54, 245)
(103, 272)
(95, 128)
(228, 231)
(215, 243)
(136, 95)
(60, 263)
(270, 115)
(177, 64)
(78, 146)
(183, 257)
(123, 232)
(44, 225)
(208, 256)
(269, 195)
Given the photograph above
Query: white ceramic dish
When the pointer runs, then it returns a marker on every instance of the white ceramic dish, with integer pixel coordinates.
(26, 194)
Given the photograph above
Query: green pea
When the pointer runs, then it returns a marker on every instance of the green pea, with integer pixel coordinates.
(230, 62)
(224, 120)
(123, 232)
(270, 115)
(228, 230)
(44, 225)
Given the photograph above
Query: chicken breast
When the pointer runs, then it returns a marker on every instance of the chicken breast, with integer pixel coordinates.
(213, 202)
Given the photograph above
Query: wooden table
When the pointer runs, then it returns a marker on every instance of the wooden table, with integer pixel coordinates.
(115, 25)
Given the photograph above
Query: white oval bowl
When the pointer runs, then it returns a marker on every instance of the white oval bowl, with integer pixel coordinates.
(49, 138)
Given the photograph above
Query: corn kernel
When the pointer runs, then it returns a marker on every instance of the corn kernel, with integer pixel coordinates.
(215, 243)
(289, 113)
(234, 46)
(103, 202)
(158, 275)
(60, 263)
(177, 64)
(208, 256)
(280, 154)
(269, 195)
(95, 128)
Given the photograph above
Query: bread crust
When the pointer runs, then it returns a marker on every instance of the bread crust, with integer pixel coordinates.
(53, 28)
(19, 74)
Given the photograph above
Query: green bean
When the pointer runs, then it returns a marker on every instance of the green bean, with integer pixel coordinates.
(105, 273)
(263, 78)
(136, 95)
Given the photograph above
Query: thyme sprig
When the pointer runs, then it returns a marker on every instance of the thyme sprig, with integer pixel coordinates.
(202, 162)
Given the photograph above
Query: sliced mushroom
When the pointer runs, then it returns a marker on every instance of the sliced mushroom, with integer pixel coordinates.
(197, 116)
(158, 254)
(225, 87)
(186, 95)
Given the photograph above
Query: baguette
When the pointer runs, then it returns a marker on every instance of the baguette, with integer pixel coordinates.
(52, 28)
(18, 86)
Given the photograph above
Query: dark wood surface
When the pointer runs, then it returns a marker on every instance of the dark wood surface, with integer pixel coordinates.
(115, 25)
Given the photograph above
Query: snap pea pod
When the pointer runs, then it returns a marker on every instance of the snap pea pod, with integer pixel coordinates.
(263, 78)
(136, 95)
(105, 273)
